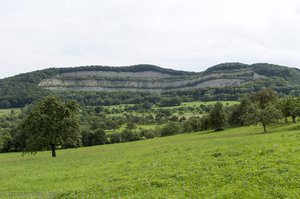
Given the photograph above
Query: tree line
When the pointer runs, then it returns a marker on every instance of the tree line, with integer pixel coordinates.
(23, 89)
(53, 123)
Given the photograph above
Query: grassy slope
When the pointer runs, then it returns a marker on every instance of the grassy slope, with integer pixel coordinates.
(138, 127)
(239, 163)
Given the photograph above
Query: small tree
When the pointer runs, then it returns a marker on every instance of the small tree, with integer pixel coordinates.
(262, 108)
(237, 111)
(264, 97)
(265, 116)
(205, 123)
(286, 107)
(218, 117)
(295, 113)
(170, 129)
(112, 125)
(51, 123)
(128, 135)
(130, 126)
(192, 124)
(91, 138)
(99, 109)
(296, 109)
(4, 139)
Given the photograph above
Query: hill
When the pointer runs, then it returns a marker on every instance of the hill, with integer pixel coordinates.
(227, 81)
(236, 163)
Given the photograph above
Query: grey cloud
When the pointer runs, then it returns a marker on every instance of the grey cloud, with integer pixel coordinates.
(185, 35)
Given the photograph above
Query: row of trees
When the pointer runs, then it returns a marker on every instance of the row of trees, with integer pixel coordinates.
(17, 93)
(23, 89)
(52, 123)
(263, 107)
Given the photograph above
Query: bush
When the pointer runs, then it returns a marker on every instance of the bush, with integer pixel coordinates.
(92, 138)
(205, 123)
(128, 136)
(170, 129)
(170, 102)
(218, 117)
(115, 138)
(149, 134)
(4, 139)
(192, 124)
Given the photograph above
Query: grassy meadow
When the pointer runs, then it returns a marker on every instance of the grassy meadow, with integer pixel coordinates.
(198, 103)
(235, 163)
(8, 111)
(186, 109)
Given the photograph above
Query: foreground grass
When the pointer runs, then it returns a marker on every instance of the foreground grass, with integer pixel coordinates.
(236, 163)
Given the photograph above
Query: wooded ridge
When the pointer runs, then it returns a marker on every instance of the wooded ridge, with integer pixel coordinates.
(227, 81)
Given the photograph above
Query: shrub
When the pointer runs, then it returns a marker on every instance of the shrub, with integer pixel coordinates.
(170, 129)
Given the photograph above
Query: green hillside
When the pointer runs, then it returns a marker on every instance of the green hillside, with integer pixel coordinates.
(235, 163)
(228, 81)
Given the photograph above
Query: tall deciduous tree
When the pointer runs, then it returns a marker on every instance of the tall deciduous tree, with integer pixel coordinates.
(52, 123)
(287, 105)
(265, 116)
(296, 109)
(264, 97)
(262, 108)
(218, 117)
(4, 139)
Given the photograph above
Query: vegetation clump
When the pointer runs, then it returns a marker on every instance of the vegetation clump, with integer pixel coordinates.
(51, 123)
(32, 129)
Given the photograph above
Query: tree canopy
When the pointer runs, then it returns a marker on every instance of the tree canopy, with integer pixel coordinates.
(51, 123)
(264, 116)
(218, 117)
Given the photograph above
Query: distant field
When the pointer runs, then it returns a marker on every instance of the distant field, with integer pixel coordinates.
(188, 114)
(183, 104)
(236, 163)
(148, 126)
(8, 111)
(139, 126)
(225, 103)
(122, 106)
(194, 104)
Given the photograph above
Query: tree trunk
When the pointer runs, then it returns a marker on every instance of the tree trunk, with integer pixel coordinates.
(286, 120)
(265, 130)
(294, 119)
(53, 148)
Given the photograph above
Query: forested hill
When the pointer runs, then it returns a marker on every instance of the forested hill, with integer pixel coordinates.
(94, 85)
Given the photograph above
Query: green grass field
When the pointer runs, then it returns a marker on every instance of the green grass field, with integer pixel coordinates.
(225, 103)
(8, 111)
(194, 104)
(138, 127)
(236, 163)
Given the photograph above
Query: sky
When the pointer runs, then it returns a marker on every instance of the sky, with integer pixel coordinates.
(187, 35)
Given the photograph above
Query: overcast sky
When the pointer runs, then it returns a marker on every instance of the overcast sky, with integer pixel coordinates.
(187, 35)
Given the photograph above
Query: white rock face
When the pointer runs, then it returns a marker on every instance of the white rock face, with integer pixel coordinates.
(143, 81)
(219, 83)
(257, 76)
(52, 82)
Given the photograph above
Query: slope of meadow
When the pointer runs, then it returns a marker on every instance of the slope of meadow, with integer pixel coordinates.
(236, 163)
